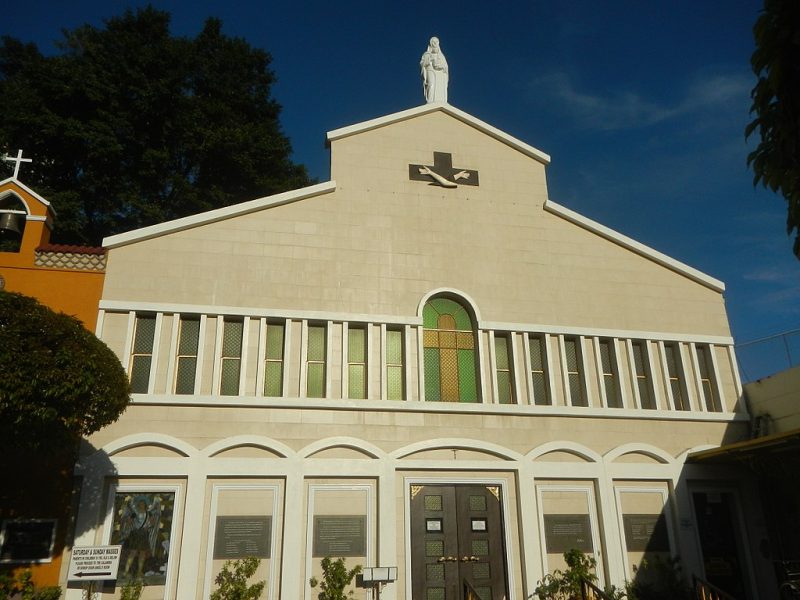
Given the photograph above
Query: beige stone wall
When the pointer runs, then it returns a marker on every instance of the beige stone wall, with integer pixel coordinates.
(380, 242)
(776, 397)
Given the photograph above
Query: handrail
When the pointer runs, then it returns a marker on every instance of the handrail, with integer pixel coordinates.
(704, 590)
(590, 591)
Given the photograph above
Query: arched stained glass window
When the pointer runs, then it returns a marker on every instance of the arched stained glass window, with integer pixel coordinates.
(449, 346)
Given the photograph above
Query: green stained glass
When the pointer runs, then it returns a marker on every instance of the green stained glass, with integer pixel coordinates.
(190, 334)
(316, 342)
(539, 389)
(273, 379)
(140, 373)
(466, 376)
(145, 332)
(356, 345)
(232, 338)
(504, 392)
(480, 547)
(434, 547)
(394, 347)
(501, 352)
(356, 381)
(229, 379)
(449, 345)
(185, 375)
(394, 383)
(433, 390)
(315, 380)
(274, 348)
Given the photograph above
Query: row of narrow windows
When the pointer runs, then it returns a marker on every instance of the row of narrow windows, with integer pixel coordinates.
(451, 369)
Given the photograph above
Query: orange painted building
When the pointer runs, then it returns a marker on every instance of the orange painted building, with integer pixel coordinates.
(67, 279)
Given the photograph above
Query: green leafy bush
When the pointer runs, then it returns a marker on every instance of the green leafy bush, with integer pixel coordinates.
(232, 580)
(335, 578)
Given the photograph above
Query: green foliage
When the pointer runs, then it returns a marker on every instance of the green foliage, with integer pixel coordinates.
(59, 381)
(566, 585)
(335, 578)
(776, 105)
(22, 588)
(658, 579)
(130, 126)
(132, 590)
(232, 580)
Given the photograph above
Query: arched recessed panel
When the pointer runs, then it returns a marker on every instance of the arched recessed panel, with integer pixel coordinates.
(247, 451)
(561, 456)
(148, 451)
(343, 452)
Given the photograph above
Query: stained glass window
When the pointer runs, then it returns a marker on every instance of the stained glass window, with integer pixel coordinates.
(315, 361)
(707, 387)
(357, 362)
(608, 367)
(538, 354)
(505, 374)
(642, 371)
(574, 361)
(186, 367)
(142, 353)
(273, 359)
(231, 357)
(449, 352)
(675, 374)
(395, 373)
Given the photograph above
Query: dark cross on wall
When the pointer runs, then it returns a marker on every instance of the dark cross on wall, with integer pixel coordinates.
(442, 172)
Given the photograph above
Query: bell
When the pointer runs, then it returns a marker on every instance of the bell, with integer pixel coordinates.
(11, 224)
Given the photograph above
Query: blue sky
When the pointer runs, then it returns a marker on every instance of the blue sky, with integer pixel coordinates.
(641, 105)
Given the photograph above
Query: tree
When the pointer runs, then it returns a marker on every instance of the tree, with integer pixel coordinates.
(232, 580)
(776, 104)
(59, 381)
(335, 579)
(130, 126)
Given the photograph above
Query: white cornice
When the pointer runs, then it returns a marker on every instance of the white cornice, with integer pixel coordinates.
(447, 109)
(219, 214)
(21, 185)
(633, 245)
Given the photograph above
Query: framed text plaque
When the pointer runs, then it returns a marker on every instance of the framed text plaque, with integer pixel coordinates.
(565, 532)
(340, 535)
(243, 536)
(645, 533)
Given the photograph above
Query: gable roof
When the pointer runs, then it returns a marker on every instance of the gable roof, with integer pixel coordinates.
(19, 184)
(219, 214)
(404, 115)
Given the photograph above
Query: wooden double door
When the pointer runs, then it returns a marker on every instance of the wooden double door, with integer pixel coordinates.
(457, 543)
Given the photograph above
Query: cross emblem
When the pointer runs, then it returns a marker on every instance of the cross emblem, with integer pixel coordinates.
(442, 172)
(16, 160)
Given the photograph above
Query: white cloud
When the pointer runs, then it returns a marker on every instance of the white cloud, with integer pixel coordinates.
(627, 110)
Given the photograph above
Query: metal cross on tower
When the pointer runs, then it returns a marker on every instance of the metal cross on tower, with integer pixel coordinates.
(18, 159)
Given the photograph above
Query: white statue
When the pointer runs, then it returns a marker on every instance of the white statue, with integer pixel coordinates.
(435, 74)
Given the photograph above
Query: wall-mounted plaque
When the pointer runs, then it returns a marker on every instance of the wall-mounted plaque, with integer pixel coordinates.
(565, 532)
(340, 535)
(433, 525)
(646, 533)
(27, 540)
(242, 536)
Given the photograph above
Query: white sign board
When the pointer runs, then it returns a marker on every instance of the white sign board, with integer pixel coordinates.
(93, 563)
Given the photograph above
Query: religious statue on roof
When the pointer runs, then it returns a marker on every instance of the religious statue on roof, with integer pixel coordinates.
(435, 73)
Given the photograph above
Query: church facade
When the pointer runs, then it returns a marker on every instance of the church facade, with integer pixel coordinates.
(423, 363)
